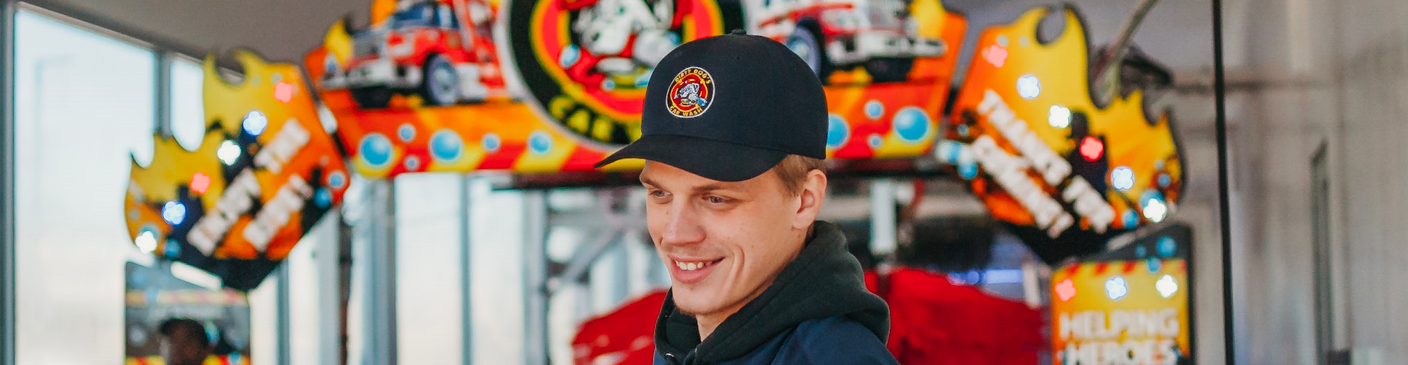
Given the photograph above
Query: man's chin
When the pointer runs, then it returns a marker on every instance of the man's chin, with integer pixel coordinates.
(694, 308)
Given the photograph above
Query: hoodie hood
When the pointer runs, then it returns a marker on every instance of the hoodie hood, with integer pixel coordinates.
(823, 281)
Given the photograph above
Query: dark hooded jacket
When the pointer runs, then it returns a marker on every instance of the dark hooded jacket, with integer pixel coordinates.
(817, 311)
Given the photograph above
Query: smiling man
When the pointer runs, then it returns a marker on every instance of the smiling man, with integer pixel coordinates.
(734, 133)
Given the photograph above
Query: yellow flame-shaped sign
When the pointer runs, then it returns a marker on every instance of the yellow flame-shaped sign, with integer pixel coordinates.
(1041, 153)
(264, 173)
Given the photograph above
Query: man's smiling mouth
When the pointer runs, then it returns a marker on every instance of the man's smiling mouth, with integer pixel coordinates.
(695, 265)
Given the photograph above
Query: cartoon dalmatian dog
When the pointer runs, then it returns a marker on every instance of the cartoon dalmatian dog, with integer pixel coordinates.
(688, 96)
(623, 39)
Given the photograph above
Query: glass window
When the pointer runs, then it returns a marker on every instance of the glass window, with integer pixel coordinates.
(496, 270)
(418, 15)
(187, 102)
(428, 268)
(84, 102)
(428, 288)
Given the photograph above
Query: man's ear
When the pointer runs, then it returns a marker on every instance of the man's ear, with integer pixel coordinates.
(812, 193)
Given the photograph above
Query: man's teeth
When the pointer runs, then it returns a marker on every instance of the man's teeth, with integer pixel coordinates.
(691, 266)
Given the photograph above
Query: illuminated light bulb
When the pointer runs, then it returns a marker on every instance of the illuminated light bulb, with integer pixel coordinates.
(322, 198)
(968, 170)
(1060, 117)
(446, 145)
(283, 91)
(875, 141)
(200, 182)
(337, 180)
(1167, 246)
(229, 152)
(1155, 210)
(1166, 286)
(1122, 178)
(1028, 86)
(172, 248)
(491, 142)
(1066, 290)
(375, 150)
(406, 132)
(1129, 218)
(874, 109)
(146, 241)
(1116, 288)
(996, 55)
(1091, 148)
(174, 212)
(255, 122)
(539, 142)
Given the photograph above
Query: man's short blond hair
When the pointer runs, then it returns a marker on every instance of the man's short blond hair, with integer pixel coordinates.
(793, 171)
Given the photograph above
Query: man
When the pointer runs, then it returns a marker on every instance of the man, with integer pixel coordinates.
(733, 133)
(183, 342)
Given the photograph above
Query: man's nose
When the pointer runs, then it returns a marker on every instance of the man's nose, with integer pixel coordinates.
(681, 226)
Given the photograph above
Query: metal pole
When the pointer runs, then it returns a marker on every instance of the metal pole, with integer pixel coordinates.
(325, 256)
(622, 271)
(7, 179)
(283, 333)
(163, 92)
(1107, 79)
(380, 338)
(882, 217)
(618, 201)
(466, 282)
(1219, 80)
(535, 277)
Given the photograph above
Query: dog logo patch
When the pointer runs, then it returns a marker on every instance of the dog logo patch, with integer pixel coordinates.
(690, 93)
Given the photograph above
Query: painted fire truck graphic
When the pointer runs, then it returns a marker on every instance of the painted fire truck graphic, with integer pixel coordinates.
(618, 42)
(878, 35)
(441, 50)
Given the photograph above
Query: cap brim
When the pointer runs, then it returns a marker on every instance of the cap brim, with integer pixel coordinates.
(716, 160)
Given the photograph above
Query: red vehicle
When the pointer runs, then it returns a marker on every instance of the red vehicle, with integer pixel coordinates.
(879, 35)
(441, 50)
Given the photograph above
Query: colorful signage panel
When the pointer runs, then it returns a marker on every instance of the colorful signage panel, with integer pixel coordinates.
(1044, 156)
(265, 172)
(1128, 306)
(430, 87)
(154, 296)
(442, 85)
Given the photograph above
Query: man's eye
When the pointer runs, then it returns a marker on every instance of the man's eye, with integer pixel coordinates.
(714, 199)
(658, 193)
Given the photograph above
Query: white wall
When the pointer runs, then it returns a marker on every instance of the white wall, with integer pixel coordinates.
(1312, 72)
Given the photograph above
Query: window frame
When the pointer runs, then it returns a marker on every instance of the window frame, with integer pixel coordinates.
(164, 52)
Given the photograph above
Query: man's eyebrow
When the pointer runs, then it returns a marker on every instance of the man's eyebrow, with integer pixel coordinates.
(715, 186)
(647, 181)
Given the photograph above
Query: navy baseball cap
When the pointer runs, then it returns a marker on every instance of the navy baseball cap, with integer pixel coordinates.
(729, 108)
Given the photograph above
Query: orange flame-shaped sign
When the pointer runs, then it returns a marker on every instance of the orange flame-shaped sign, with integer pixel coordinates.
(265, 172)
(1043, 155)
